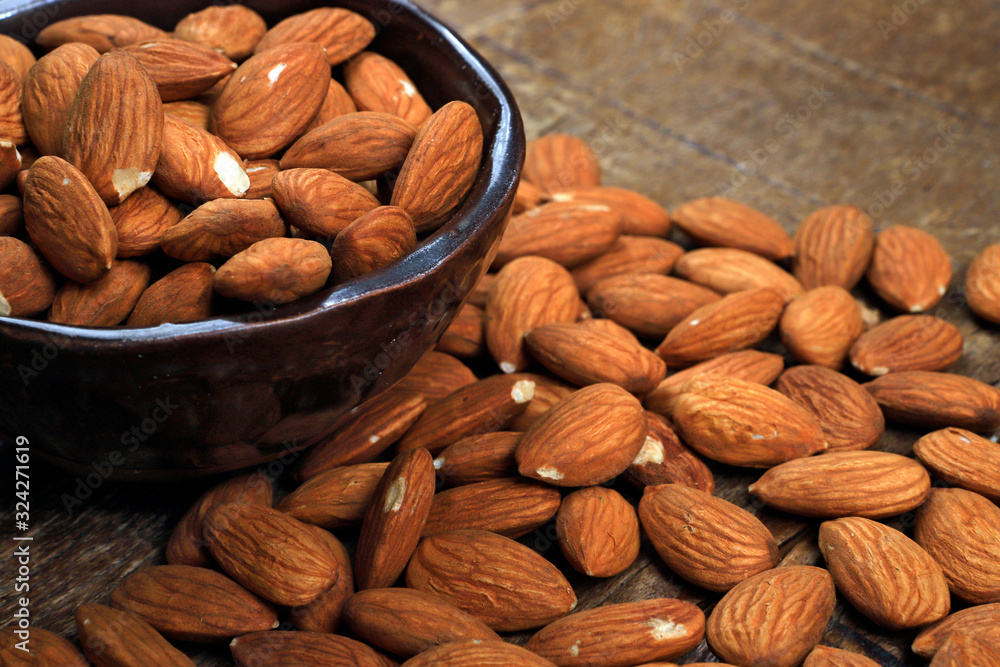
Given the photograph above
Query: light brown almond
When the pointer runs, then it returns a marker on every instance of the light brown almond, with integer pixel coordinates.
(648, 304)
(142, 219)
(728, 270)
(548, 392)
(907, 343)
(15, 54)
(566, 232)
(374, 240)
(319, 201)
(232, 30)
(11, 116)
(630, 255)
(983, 618)
(341, 32)
(819, 326)
(485, 653)
(183, 295)
(261, 174)
(337, 103)
(436, 375)
(376, 83)
(296, 649)
(100, 31)
(478, 458)
(336, 497)
(508, 506)
(982, 284)
(909, 269)
(664, 459)
(11, 215)
(715, 221)
(27, 286)
(963, 459)
(49, 90)
(559, 162)
(641, 216)
(196, 166)
(114, 638)
(277, 270)
(324, 613)
(598, 531)
(222, 228)
(465, 336)
(937, 400)
(833, 247)
(960, 650)
(106, 301)
(44, 648)
(826, 656)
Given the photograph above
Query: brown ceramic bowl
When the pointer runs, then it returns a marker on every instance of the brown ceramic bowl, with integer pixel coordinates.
(230, 392)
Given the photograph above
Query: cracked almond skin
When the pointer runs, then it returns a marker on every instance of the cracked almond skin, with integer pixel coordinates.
(623, 634)
(192, 603)
(565, 232)
(980, 619)
(335, 498)
(963, 459)
(868, 484)
(833, 246)
(559, 162)
(819, 326)
(324, 613)
(706, 540)
(907, 343)
(503, 583)
(277, 270)
(100, 31)
(937, 400)
(736, 321)
(716, 221)
(395, 519)
(232, 30)
(909, 269)
(441, 166)
(961, 531)
(849, 416)
(510, 506)
(728, 270)
(649, 305)
(341, 32)
(141, 221)
(183, 295)
(115, 638)
(982, 284)
(196, 166)
(664, 459)
(45, 648)
(641, 216)
(586, 439)
(222, 228)
(27, 286)
(744, 423)
(826, 656)
(49, 89)
(478, 458)
(376, 239)
(884, 574)
(774, 618)
(283, 648)
(598, 531)
(376, 83)
(181, 69)
(405, 622)
(106, 301)
(485, 653)
(629, 255)
(320, 202)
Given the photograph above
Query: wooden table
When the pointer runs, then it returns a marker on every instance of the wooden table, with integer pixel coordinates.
(786, 105)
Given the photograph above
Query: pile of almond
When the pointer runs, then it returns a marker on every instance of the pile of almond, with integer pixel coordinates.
(166, 177)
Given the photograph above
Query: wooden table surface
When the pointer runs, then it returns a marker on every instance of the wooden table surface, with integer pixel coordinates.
(788, 105)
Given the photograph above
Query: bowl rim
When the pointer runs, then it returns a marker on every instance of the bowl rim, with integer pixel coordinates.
(494, 186)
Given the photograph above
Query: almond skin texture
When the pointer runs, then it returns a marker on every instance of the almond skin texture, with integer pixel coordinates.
(44, 648)
(504, 584)
(341, 33)
(737, 321)
(222, 228)
(142, 219)
(183, 295)
(528, 292)
(833, 247)
(296, 649)
(937, 400)
(640, 215)
(196, 166)
(819, 326)
(649, 305)
(479, 458)
(379, 84)
(272, 554)
(232, 30)
(11, 215)
(664, 459)
(337, 103)
(101, 31)
(883, 573)
(774, 618)
(585, 357)
(963, 459)
(464, 337)
(825, 656)
(708, 541)
(105, 302)
(405, 622)
(909, 269)
(567, 233)
(558, 162)
(261, 174)
(436, 375)
(324, 613)
(68, 221)
(961, 531)
(972, 621)
(849, 416)
(621, 635)
(193, 603)
(336, 497)
(114, 129)
(477, 652)
(113, 638)
(11, 116)
(320, 202)
(509, 506)
(49, 90)
(441, 165)
(16, 55)
(907, 343)
(376, 239)
(715, 221)
(727, 270)
(278, 270)
(548, 392)
(194, 113)
(271, 99)
(960, 650)
(744, 423)
(630, 255)
(982, 284)
(395, 519)
(867, 484)
(27, 286)
(586, 439)
(598, 531)
(181, 69)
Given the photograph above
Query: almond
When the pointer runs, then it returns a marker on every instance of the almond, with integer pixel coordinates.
(101, 31)
(232, 30)
(749, 365)
(621, 635)
(630, 255)
(825, 656)
(192, 112)
(27, 286)
(962, 458)
(183, 295)
(737, 321)
(648, 304)
(598, 531)
(744, 423)
(196, 166)
(819, 326)
(504, 584)
(773, 618)
(341, 33)
(302, 649)
(715, 221)
(849, 416)
(142, 219)
(406, 622)
(961, 531)
(261, 174)
(44, 648)
(909, 269)
(527, 196)
(436, 375)
(49, 89)
(937, 400)
(907, 343)
(395, 518)
(961, 649)
(982, 284)
(478, 458)
(883, 573)
(559, 162)
(706, 540)
(11, 117)
(548, 392)
(278, 270)
(567, 233)
(376, 239)
(336, 497)
(181, 69)
(484, 653)
(584, 357)
(640, 215)
(606, 327)
(728, 270)
(833, 247)
(867, 484)
(116, 151)
(106, 301)
(113, 638)
(664, 459)
(981, 619)
(192, 603)
(528, 293)
(509, 506)
(324, 613)
(379, 84)
(441, 165)
(271, 98)
(16, 55)
(11, 215)
(464, 337)
(337, 103)
(319, 201)
(222, 228)
(10, 162)
(67, 220)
